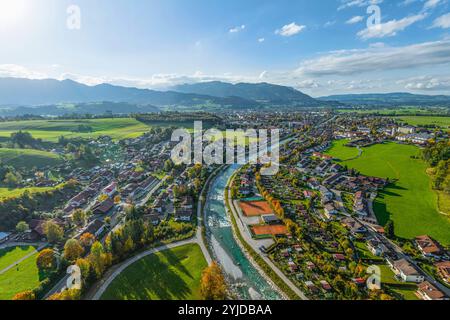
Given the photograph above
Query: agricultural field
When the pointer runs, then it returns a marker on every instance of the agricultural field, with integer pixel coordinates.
(51, 130)
(172, 274)
(24, 276)
(442, 122)
(410, 202)
(28, 158)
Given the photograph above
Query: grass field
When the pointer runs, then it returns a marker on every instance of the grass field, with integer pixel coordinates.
(168, 275)
(410, 202)
(28, 158)
(340, 151)
(51, 130)
(407, 290)
(17, 192)
(443, 122)
(23, 277)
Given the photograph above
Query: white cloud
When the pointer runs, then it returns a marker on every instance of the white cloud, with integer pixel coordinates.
(431, 4)
(263, 75)
(16, 71)
(308, 84)
(355, 19)
(260, 40)
(290, 30)
(390, 28)
(358, 3)
(237, 29)
(426, 83)
(442, 22)
(350, 62)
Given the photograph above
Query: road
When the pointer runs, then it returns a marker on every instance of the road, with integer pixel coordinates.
(247, 238)
(99, 288)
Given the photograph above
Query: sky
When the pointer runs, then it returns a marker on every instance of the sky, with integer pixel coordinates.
(321, 47)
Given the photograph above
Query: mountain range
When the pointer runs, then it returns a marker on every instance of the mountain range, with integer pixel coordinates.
(53, 97)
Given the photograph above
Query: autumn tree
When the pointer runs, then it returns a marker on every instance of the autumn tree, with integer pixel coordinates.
(99, 259)
(72, 250)
(53, 232)
(46, 259)
(87, 239)
(25, 295)
(212, 286)
(71, 294)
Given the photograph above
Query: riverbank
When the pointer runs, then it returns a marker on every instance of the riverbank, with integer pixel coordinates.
(255, 259)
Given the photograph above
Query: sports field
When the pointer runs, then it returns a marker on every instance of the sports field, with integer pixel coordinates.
(410, 202)
(28, 158)
(274, 230)
(172, 274)
(51, 130)
(255, 208)
(23, 276)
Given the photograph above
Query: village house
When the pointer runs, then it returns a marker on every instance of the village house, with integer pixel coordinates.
(428, 247)
(103, 207)
(376, 247)
(405, 271)
(355, 227)
(427, 291)
(443, 270)
(111, 189)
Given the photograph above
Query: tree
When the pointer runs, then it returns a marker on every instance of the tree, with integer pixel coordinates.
(53, 232)
(99, 259)
(12, 180)
(389, 229)
(71, 294)
(212, 286)
(22, 226)
(79, 217)
(72, 250)
(46, 260)
(25, 295)
(87, 239)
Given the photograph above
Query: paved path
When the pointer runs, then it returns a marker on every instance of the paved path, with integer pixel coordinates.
(106, 282)
(21, 260)
(251, 241)
(97, 291)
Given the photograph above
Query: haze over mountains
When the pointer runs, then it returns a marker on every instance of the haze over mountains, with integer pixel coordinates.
(53, 97)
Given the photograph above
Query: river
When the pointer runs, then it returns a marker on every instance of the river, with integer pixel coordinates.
(246, 282)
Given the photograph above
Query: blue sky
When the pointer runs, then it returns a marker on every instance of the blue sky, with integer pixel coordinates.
(320, 47)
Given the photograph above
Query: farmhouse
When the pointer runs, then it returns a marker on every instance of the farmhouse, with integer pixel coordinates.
(103, 207)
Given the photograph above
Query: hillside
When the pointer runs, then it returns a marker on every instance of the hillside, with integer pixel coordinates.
(26, 92)
(261, 92)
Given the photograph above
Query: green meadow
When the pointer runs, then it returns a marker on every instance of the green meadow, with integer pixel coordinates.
(172, 274)
(24, 276)
(28, 158)
(340, 151)
(51, 130)
(410, 202)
